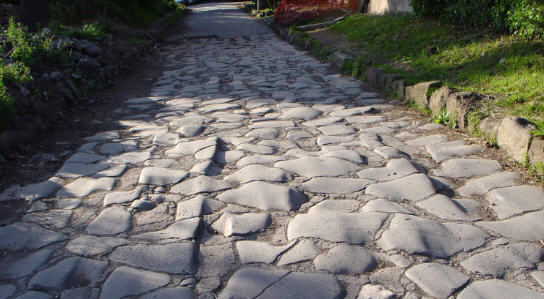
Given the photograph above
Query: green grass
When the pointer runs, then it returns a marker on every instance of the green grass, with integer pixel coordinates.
(509, 68)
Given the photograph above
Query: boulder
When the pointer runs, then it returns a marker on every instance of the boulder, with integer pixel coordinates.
(514, 136)
(489, 126)
(536, 152)
(339, 59)
(385, 82)
(399, 87)
(373, 75)
(419, 92)
(459, 104)
(439, 99)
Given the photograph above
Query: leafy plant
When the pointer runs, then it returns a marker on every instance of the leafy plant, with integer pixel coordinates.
(444, 118)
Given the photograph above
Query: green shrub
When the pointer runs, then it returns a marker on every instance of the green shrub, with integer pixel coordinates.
(527, 19)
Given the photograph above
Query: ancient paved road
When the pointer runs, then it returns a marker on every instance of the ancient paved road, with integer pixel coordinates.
(253, 171)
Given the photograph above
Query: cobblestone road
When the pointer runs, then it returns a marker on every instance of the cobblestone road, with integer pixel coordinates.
(252, 170)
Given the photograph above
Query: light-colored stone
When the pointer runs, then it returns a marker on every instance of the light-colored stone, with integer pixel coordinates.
(125, 281)
(403, 188)
(200, 184)
(481, 186)
(369, 291)
(257, 172)
(527, 227)
(90, 245)
(442, 151)
(318, 166)
(161, 176)
(259, 252)
(395, 169)
(451, 209)
(497, 289)
(304, 250)
(232, 224)
(334, 185)
(111, 221)
(437, 280)
(183, 229)
(85, 186)
(514, 136)
(345, 259)
(26, 236)
(264, 196)
(464, 168)
(69, 273)
(515, 200)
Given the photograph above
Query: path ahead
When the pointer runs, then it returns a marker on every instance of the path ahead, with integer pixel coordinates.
(251, 170)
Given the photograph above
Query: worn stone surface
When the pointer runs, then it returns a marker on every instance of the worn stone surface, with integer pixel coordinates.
(437, 280)
(394, 169)
(264, 196)
(111, 221)
(184, 229)
(463, 168)
(21, 236)
(451, 209)
(495, 288)
(514, 135)
(481, 186)
(314, 166)
(527, 227)
(259, 252)
(369, 291)
(442, 151)
(161, 176)
(22, 267)
(334, 185)
(200, 184)
(304, 250)
(515, 200)
(85, 186)
(231, 224)
(258, 172)
(125, 281)
(92, 245)
(69, 273)
(345, 259)
(402, 189)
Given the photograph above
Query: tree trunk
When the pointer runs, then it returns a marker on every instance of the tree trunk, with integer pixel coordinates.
(35, 13)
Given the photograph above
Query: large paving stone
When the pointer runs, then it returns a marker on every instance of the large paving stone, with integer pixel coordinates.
(184, 229)
(261, 283)
(69, 273)
(76, 170)
(304, 250)
(353, 111)
(25, 236)
(85, 186)
(259, 252)
(200, 184)
(426, 140)
(497, 262)
(264, 196)
(161, 176)
(111, 221)
(428, 237)
(385, 206)
(133, 158)
(443, 151)
(264, 133)
(56, 218)
(84, 158)
(451, 209)
(301, 113)
(125, 281)
(322, 121)
(437, 280)
(189, 148)
(91, 245)
(230, 224)
(258, 172)
(174, 258)
(528, 227)
(354, 228)
(515, 200)
(481, 186)
(336, 130)
(318, 166)
(39, 190)
(326, 140)
(347, 155)
(388, 152)
(21, 267)
(345, 259)
(33, 295)
(514, 136)
(370, 140)
(334, 185)
(403, 188)
(497, 289)
(256, 148)
(190, 120)
(271, 124)
(119, 197)
(395, 169)
(171, 293)
(7, 290)
(369, 291)
(465, 168)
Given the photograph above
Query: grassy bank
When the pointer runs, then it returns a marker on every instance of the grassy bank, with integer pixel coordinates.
(508, 68)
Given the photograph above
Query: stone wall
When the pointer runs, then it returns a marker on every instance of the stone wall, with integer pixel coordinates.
(381, 7)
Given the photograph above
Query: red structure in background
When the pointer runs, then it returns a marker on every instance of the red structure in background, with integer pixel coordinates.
(292, 11)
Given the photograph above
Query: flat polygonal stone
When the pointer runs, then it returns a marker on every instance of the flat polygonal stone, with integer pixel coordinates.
(464, 168)
(347, 155)
(189, 148)
(184, 229)
(57, 218)
(103, 136)
(302, 113)
(271, 124)
(228, 157)
(39, 190)
(259, 252)
(298, 134)
(365, 119)
(123, 196)
(369, 291)
(334, 185)
(250, 282)
(171, 293)
(25, 236)
(113, 171)
(199, 184)
(395, 169)
(354, 228)
(130, 158)
(442, 151)
(264, 133)
(346, 259)
(304, 250)
(161, 176)
(335, 130)
(497, 262)
(111, 221)
(85, 186)
(167, 139)
(305, 286)
(451, 209)
(497, 289)
(324, 140)
(125, 281)
(191, 130)
(481, 186)
(538, 276)
(208, 168)
(370, 140)
(428, 237)
(322, 121)
(528, 227)
(318, 166)
(232, 224)
(425, 140)
(259, 173)
(6, 290)
(389, 152)
(84, 158)
(515, 200)
(174, 258)
(13, 269)
(385, 206)
(353, 111)
(76, 170)
(264, 196)
(403, 188)
(91, 245)
(256, 148)
(69, 273)
(437, 280)
(207, 153)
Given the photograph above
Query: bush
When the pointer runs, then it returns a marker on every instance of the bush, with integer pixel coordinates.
(521, 17)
